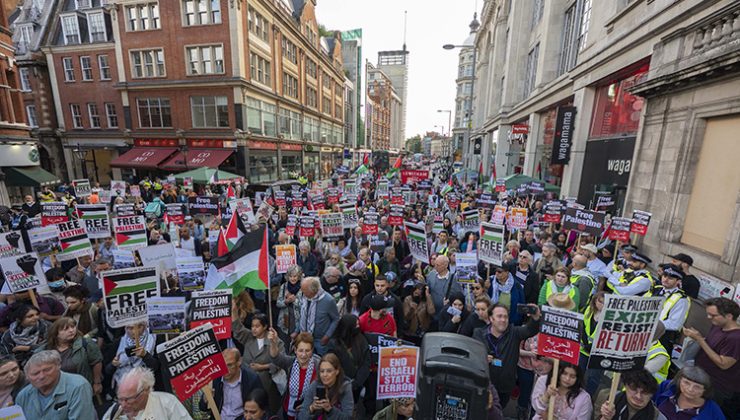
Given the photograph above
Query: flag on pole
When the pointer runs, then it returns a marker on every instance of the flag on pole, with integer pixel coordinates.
(396, 167)
(539, 170)
(447, 188)
(230, 193)
(245, 266)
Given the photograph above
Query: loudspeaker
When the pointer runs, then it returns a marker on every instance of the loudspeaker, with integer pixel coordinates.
(453, 379)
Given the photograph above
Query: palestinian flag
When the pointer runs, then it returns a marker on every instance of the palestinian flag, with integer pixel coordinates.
(230, 193)
(74, 240)
(246, 265)
(447, 188)
(130, 232)
(129, 280)
(396, 167)
(362, 169)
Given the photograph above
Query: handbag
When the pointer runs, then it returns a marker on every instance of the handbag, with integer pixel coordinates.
(280, 379)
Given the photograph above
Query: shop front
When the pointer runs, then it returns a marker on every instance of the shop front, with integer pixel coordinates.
(262, 166)
(327, 162)
(22, 173)
(291, 161)
(612, 133)
(93, 158)
(553, 151)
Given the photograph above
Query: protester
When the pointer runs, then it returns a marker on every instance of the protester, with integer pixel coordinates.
(53, 394)
(441, 284)
(675, 307)
(81, 311)
(453, 314)
(318, 313)
(256, 406)
(635, 401)
(330, 396)
(590, 322)
(351, 347)
(560, 284)
(134, 349)
(571, 400)
(137, 399)
(231, 391)
(526, 276)
(350, 304)
(26, 333)
(12, 380)
(301, 370)
(288, 300)
(583, 280)
(393, 303)
(506, 291)
(688, 394)
(689, 284)
(80, 355)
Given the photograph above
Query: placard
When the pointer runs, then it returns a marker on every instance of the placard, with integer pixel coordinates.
(95, 219)
(214, 307)
(307, 227)
(11, 244)
(619, 229)
(500, 184)
(332, 225)
(412, 176)
(518, 218)
(584, 221)
(191, 273)
(560, 334)
(712, 287)
(466, 267)
(349, 215)
(417, 240)
(135, 190)
(291, 225)
(122, 258)
(14, 412)
(285, 257)
(553, 211)
(395, 217)
(124, 210)
(370, 223)
(130, 232)
(397, 372)
(491, 246)
(82, 188)
(166, 315)
(23, 272)
(73, 240)
(176, 213)
(53, 212)
(470, 221)
(202, 205)
(118, 188)
(498, 215)
(126, 292)
(624, 332)
(44, 240)
(640, 222)
(191, 360)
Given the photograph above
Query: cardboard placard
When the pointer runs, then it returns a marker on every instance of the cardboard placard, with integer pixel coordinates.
(214, 307)
(44, 240)
(619, 230)
(349, 215)
(517, 218)
(53, 212)
(82, 188)
(560, 334)
(124, 210)
(176, 213)
(498, 215)
(397, 372)
(417, 240)
(130, 232)
(125, 294)
(166, 315)
(584, 221)
(332, 225)
(203, 205)
(370, 223)
(285, 257)
(11, 244)
(22, 272)
(553, 212)
(492, 243)
(73, 240)
(191, 273)
(640, 222)
(95, 219)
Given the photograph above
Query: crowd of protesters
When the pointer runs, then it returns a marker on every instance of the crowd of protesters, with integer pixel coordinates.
(311, 360)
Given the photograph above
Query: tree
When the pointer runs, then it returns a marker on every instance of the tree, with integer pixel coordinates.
(413, 144)
(325, 33)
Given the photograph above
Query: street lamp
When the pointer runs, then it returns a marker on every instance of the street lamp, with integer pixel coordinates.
(472, 87)
(449, 120)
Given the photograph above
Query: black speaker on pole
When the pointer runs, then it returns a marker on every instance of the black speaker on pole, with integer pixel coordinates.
(453, 379)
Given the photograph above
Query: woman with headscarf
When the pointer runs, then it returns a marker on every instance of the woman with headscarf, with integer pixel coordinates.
(27, 332)
(134, 349)
(350, 345)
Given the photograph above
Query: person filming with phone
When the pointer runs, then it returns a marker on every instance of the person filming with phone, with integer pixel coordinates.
(330, 395)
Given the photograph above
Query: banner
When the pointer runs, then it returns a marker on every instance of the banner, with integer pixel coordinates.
(492, 245)
(370, 223)
(73, 240)
(23, 272)
(126, 292)
(44, 240)
(397, 372)
(95, 218)
(124, 210)
(279, 198)
(619, 230)
(166, 315)
(332, 196)
(53, 212)
(82, 188)
(640, 222)
(291, 225)
(500, 185)
(307, 227)
(417, 240)
(624, 332)
(486, 201)
(553, 212)
(203, 205)
(560, 334)
(135, 190)
(349, 215)
(470, 221)
(395, 217)
(191, 273)
(466, 267)
(285, 257)
(176, 213)
(349, 192)
(11, 244)
(191, 360)
(412, 176)
(563, 138)
(332, 225)
(585, 221)
(214, 307)
(517, 218)
(130, 232)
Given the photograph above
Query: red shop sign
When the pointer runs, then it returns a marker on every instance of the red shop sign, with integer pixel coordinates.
(156, 142)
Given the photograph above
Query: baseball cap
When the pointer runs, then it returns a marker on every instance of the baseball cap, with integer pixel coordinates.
(683, 258)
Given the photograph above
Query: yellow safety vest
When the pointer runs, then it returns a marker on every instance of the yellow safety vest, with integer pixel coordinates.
(587, 338)
(574, 279)
(656, 350)
(551, 289)
(671, 301)
(635, 279)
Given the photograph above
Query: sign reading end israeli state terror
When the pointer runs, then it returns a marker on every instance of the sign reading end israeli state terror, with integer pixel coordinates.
(397, 372)
(560, 334)
(625, 332)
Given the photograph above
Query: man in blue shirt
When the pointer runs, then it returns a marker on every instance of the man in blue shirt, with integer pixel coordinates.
(53, 394)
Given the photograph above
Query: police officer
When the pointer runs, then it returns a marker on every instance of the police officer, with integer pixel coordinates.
(676, 306)
(633, 283)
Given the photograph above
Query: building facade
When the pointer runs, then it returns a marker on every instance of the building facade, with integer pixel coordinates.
(464, 96)
(380, 95)
(574, 109)
(352, 62)
(249, 86)
(395, 64)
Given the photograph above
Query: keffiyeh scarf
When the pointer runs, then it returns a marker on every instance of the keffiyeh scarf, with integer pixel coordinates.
(499, 288)
(308, 316)
(294, 385)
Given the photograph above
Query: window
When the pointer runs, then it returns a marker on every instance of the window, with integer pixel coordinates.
(310, 129)
(154, 112)
(290, 85)
(147, 63)
(104, 67)
(76, 115)
(311, 68)
(201, 12)
(537, 12)
(311, 34)
(24, 36)
(262, 167)
(261, 117)
(83, 4)
(260, 69)
(69, 70)
(208, 59)
(531, 72)
(86, 66)
(92, 112)
(311, 97)
(70, 30)
(290, 164)
(290, 124)
(142, 17)
(210, 111)
(96, 27)
(337, 111)
(585, 22)
(111, 115)
(289, 50)
(326, 105)
(25, 73)
(257, 24)
(569, 48)
(31, 112)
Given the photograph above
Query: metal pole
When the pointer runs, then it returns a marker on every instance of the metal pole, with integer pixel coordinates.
(472, 97)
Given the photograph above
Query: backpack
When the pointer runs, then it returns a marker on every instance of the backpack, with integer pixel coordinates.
(153, 210)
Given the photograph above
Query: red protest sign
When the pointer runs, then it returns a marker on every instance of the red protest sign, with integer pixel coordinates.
(53, 212)
(308, 227)
(553, 212)
(291, 225)
(191, 360)
(370, 223)
(640, 222)
(560, 334)
(395, 217)
(412, 176)
(619, 230)
(397, 369)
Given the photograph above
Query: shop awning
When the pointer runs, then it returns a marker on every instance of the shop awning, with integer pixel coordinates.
(196, 158)
(30, 176)
(143, 157)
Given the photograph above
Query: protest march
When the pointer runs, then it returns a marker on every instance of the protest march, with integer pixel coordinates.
(318, 299)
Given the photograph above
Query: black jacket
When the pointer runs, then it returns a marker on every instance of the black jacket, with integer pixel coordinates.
(397, 307)
(250, 381)
(531, 284)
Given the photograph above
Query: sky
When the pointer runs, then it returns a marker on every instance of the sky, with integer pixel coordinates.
(431, 24)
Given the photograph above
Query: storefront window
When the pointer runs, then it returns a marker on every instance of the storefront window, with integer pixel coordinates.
(312, 165)
(616, 111)
(261, 118)
(262, 168)
(290, 166)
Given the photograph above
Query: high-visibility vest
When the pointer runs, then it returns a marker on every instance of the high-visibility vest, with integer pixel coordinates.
(587, 338)
(574, 279)
(656, 350)
(551, 288)
(671, 301)
(633, 277)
